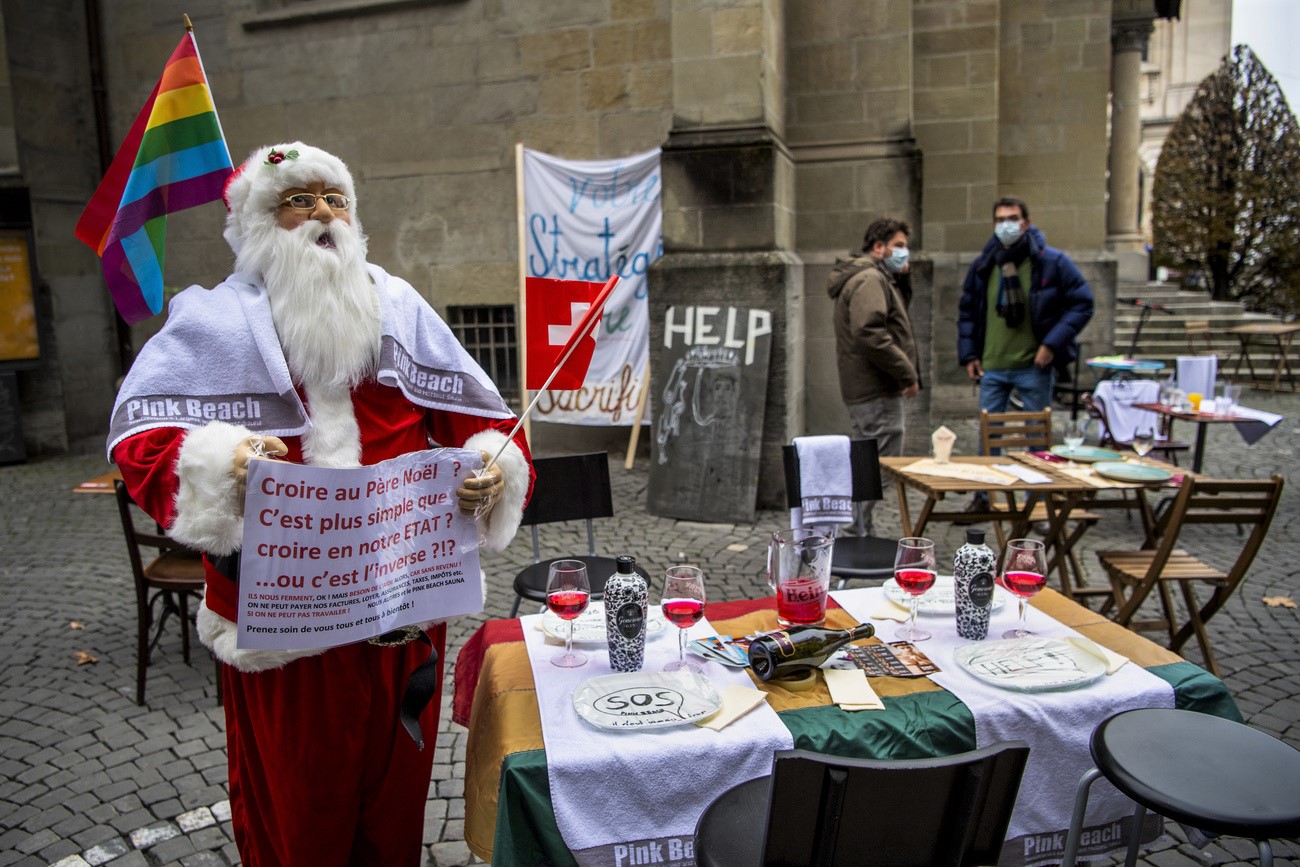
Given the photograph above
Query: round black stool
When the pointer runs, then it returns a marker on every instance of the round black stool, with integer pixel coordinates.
(1201, 770)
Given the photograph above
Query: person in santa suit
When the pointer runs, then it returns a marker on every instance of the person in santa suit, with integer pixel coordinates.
(307, 353)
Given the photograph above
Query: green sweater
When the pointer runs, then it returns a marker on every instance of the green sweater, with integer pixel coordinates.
(1008, 348)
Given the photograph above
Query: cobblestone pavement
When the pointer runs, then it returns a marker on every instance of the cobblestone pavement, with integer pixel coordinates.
(88, 777)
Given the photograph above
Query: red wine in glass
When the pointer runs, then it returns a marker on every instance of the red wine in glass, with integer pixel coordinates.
(683, 613)
(567, 604)
(1024, 584)
(915, 581)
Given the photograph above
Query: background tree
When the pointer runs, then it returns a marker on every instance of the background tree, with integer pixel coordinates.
(1226, 203)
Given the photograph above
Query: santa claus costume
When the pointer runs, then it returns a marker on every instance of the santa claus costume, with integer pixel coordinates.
(349, 367)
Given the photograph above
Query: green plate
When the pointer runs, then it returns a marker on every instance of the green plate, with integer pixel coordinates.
(1129, 472)
(1086, 454)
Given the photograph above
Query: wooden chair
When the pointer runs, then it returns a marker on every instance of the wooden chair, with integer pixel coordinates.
(852, 556)
(171, 577)
(568, 488)
(1134, 574)
(835, 812)
(1015, 430)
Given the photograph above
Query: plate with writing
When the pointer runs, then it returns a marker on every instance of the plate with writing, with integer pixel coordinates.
(589, 627)
(1030, 664)
(939, 599)
(646, 700)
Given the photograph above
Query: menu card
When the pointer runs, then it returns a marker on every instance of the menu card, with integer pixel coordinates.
(895, 659)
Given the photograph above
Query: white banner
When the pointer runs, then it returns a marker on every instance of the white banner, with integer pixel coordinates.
(588, 220)
(334, 556)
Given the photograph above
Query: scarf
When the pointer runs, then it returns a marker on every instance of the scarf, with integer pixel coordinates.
(1011, 296)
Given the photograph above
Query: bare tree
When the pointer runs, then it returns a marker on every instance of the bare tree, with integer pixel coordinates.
(1226, 203)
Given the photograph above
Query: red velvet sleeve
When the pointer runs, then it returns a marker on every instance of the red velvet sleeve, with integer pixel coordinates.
(453, 429)
(147, 462)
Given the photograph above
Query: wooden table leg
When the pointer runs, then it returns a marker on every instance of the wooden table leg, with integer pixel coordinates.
(903, 515)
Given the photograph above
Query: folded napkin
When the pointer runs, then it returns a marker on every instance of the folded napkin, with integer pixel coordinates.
(1025, 474)
(1114, 661)
(1258, 423)
(888, 609)
(825, 481)
(850, 690)
(737, 700)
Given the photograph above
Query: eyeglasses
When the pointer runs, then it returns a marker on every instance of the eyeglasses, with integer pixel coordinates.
(307, 201)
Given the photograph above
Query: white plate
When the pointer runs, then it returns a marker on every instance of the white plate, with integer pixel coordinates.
(646, 699)
(939, 599)
(589, 627)
(1030, 664)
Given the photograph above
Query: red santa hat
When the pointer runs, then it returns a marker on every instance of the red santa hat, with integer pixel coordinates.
(254, 191)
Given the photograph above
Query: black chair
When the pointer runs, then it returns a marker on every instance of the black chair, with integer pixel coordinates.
(1068, 390)
(826, 811)
(171, 577)
(568, 488)
(853, 556)
(1203, 771)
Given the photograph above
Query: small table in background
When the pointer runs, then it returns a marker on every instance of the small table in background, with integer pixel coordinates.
(99, 484)
(1202, 419)
(1123, 369)
(1278, 335)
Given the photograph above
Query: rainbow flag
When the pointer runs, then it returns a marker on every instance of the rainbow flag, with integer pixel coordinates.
(173, 158)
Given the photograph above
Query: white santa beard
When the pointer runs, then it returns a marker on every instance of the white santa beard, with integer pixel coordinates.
(323, 303)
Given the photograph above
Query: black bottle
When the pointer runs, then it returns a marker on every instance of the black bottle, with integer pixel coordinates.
(799, 648)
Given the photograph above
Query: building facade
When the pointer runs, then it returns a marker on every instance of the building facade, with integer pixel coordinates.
(787, 126)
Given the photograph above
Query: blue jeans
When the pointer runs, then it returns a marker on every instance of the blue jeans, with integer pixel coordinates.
(1033, 383)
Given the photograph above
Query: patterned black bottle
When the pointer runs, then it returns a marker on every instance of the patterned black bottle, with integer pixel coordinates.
(973, 569)
(626, 600)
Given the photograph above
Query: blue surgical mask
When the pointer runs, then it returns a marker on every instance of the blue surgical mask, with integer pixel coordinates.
(896, 261)
(1007, 232)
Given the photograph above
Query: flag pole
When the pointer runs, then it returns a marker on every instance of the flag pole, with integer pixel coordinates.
(640, 415)
(522, 330)
(574, 339)
(189, 25)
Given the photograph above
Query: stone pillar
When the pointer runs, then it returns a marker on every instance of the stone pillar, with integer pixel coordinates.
(728, 197)
(1128, 39)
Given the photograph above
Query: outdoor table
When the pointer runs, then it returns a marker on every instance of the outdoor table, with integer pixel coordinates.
(1105, 369)
(101, 484)
(1062, 495)
(1202, 419)
(508, 813)
(1277, 335)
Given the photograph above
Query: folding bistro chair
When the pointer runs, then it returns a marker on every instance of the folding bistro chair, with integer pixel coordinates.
(852, 556)
(838, 812)
(1134, 574)
(568, 488)
(1111, 405)
(170, 578)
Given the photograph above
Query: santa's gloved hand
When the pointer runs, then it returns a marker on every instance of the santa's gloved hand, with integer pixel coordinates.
(255, 447)
(483, 491)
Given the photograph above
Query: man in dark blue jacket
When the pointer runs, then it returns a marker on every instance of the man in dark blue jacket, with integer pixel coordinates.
(1022, 307)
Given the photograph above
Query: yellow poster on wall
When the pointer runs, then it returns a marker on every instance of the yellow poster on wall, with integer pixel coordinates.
(18, 340)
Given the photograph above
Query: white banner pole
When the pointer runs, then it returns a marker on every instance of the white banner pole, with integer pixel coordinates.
(521, 327)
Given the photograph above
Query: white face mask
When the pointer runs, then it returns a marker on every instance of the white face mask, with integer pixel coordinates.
(1007, 232)
(896, 261)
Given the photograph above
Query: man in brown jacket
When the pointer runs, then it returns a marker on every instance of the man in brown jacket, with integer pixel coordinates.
(874, 348)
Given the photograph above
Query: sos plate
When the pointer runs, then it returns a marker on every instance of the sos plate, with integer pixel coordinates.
(646, 699)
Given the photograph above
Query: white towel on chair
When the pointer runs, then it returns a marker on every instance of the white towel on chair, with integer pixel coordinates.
(825, 480)
(1196, 374)
(1118, 396)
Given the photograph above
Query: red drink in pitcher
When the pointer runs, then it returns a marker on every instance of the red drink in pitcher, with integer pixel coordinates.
(801, 602)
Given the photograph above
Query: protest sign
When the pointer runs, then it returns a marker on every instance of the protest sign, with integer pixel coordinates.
(333, 556)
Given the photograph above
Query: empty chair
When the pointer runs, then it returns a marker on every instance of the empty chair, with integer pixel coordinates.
(828, 811)
(1204, 771)
(169, 578)
(568, 488)
(1134, 574)
(1015, 430)
(1111, 405)
(852, 556)
(1068, 390)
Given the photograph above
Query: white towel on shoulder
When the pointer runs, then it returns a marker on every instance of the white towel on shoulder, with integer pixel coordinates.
(825, 481)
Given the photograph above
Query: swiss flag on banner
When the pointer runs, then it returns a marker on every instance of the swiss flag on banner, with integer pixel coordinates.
(561, 318)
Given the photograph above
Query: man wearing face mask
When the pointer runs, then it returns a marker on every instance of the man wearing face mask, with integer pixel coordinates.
(1022, 307)
(874, 348)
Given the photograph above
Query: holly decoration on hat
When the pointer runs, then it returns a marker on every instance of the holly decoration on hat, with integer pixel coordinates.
(276, 157)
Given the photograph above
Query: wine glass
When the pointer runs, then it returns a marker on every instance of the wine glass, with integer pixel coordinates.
(683, 606)
(914, 572)
(1076, 430)
(1144, 438)
(567, 593)
(1024, 572)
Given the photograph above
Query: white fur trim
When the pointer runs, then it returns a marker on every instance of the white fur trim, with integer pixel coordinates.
(334, 439)
(502, 522)
(219, 635)
(253, 192)
(208, 512)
